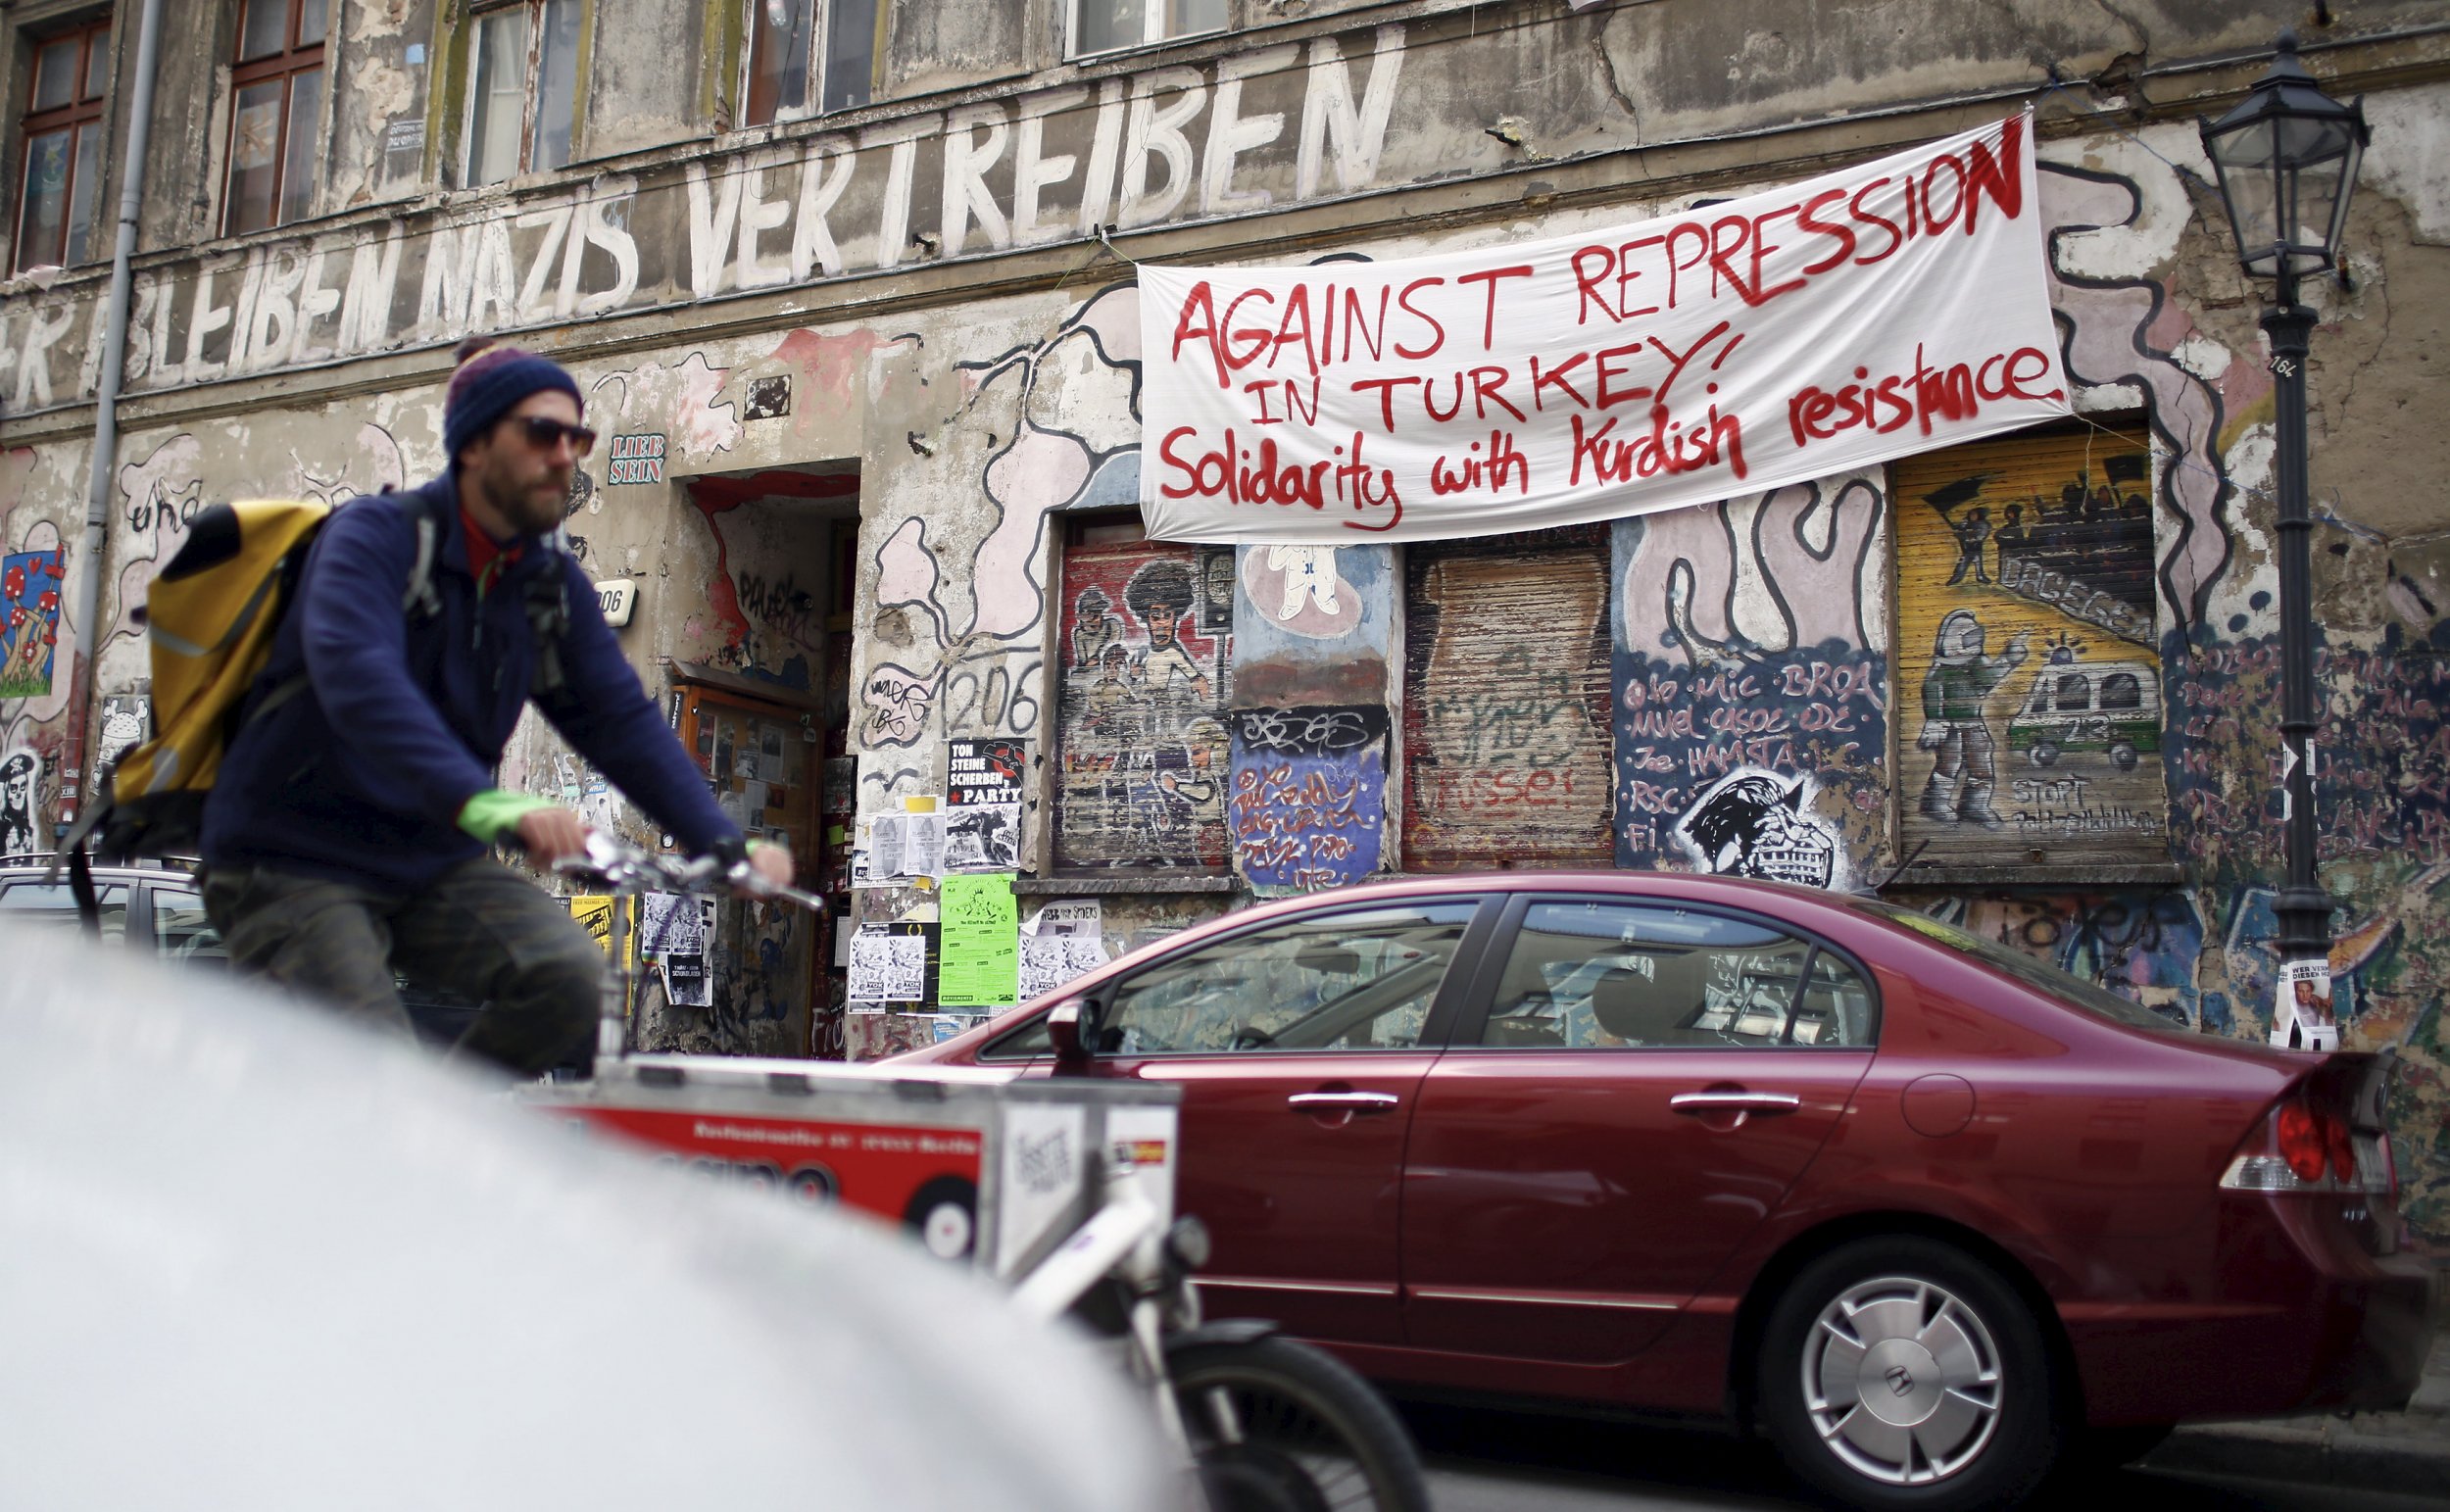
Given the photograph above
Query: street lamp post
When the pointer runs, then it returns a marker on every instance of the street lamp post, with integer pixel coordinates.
(2286, 158)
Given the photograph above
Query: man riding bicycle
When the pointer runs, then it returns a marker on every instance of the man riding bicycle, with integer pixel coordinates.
(347, 832)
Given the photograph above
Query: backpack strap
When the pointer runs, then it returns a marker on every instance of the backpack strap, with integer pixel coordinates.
(421, 597)
(548, 603)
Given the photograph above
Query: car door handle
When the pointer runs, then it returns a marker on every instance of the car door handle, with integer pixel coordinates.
(1348, 1102)
(1735, 1101)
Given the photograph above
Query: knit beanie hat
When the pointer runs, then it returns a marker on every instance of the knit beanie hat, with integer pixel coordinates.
(490, 379)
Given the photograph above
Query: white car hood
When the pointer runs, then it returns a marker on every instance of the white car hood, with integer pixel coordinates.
(249, 1259)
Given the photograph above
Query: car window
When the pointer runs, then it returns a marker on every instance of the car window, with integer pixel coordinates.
(51, 904)
(1628, 976)
(2016, 963)
(1357, 980)
(181, 931)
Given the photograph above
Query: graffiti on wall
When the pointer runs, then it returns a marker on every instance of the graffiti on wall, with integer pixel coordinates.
(989, 175)
(162, 489)
(1141, 723)
(1758, 824)
(1505, 701)
(29, 620)
(1309, 789)
(1061, 420)
(1750, 670)
(2026, 661)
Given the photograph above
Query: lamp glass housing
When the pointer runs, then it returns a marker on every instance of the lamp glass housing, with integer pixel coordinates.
(2286, 158)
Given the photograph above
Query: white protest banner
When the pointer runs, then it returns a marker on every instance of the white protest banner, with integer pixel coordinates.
(1732, 349)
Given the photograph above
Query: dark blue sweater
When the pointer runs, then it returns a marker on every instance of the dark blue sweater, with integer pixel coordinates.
(360, 779)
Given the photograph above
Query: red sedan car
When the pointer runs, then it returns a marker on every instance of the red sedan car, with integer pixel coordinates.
(1929, 1214)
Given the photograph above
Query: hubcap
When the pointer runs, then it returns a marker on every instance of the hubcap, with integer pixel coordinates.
(1902, 1381)
(946, 1232)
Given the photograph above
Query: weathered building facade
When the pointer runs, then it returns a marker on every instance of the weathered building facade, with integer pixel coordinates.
(850, 287)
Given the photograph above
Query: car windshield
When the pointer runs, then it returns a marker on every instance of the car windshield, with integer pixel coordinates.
(2016, 963)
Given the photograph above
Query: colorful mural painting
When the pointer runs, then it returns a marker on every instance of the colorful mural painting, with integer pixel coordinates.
(1141, 713)
(2027, 656)
(29, 620)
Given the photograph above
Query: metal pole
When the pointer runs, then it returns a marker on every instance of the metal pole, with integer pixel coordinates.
(2302, 1016)
(106, 425)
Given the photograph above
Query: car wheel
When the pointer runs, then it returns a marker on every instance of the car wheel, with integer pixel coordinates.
(2123, 757)
(1900, 1373)
(2046, 753)
(944, 1215)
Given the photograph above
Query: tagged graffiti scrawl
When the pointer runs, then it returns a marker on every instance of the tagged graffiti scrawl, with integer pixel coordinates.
(29, 620)
(1309, 807)
(1754, 822)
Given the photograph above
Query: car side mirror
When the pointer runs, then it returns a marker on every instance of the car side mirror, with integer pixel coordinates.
(1072, 1028)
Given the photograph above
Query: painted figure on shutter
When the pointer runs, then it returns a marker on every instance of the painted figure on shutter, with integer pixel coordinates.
(1963, 676)
(1143, 746)
(2041, 691)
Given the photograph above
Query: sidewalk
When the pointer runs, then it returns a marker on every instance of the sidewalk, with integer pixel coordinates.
(2406, 1452)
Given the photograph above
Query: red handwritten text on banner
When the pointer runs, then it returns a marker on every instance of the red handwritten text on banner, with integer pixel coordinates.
(1732, 349)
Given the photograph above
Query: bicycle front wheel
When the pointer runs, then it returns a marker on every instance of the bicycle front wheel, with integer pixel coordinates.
(1277, 1425)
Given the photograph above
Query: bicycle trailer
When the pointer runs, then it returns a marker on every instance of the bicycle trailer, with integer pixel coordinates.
(982, 1165)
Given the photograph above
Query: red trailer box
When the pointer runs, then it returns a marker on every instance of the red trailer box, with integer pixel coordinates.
(981, 1164)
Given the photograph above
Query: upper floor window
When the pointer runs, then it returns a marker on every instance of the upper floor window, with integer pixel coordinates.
(792, 43)
(277, 98)
(1103, 25)
(63, 134)
(523, 106)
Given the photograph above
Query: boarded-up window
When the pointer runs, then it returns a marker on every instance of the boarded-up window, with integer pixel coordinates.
(1505, 702)
(2028, 673)
(1147, 632)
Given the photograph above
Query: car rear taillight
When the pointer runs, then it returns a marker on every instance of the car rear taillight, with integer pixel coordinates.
(2305, 1148)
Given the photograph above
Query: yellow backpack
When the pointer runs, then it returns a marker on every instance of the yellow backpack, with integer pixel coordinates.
(210, 617)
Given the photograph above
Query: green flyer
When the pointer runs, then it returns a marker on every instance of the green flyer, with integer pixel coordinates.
(981, 942)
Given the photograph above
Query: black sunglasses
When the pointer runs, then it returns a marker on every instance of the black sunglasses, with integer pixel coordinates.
(544, 431)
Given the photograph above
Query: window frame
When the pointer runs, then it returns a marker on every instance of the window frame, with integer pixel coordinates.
(1026, 1041)
(532, 71)
(79, 115)
(1152, 34)
(819, 62)
(1497, 955)
(293, 59)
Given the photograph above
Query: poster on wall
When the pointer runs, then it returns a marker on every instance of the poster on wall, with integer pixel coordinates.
(982, 931)
(1736, 347)
(125, 719)
(594, 913)
(673, 938)
(889, 963)
(894, 848)
(983, 804)
(21, 800)
(2303, 1018)
(1048, 962)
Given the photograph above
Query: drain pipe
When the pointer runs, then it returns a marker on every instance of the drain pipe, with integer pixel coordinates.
(106, 425)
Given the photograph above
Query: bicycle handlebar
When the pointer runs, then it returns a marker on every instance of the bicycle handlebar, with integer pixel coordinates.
(623, 867)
